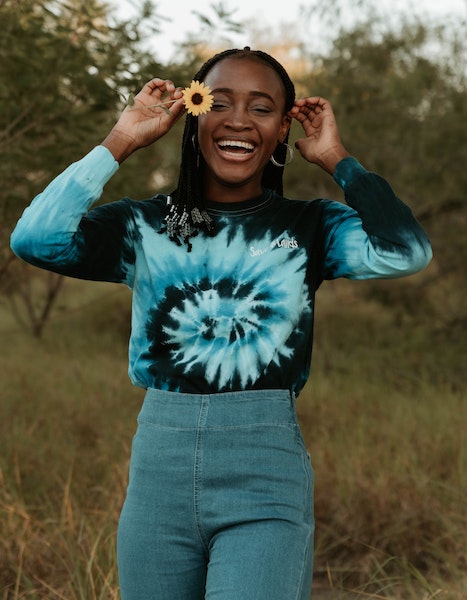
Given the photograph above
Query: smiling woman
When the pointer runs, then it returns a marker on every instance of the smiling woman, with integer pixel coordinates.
(248, 121)
(223, 272)
(258, 125)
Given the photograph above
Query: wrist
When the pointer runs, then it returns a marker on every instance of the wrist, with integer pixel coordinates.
(332, 158)
(119, 144)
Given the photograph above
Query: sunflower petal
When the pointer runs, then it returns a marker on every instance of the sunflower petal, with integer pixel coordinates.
(197, 98)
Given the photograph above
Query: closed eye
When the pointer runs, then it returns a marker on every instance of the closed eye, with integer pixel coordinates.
(219, 106)
(261, 109)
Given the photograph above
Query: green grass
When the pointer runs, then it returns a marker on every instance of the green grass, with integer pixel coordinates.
(383, 416)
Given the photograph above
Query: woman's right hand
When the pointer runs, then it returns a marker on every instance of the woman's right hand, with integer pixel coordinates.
(145, 121)
(322, 144)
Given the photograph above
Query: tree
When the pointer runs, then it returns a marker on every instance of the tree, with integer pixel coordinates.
(62, 70)
(64, 67)
(399, 95)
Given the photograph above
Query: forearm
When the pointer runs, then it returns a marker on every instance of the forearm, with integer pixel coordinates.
(47, 227)
(383, 238)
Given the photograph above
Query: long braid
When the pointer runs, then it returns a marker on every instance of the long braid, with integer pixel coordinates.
(187, 214)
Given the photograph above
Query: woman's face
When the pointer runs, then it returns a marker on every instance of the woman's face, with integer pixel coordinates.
(239, 134)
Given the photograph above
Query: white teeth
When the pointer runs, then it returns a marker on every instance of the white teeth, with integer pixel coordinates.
(236, 144)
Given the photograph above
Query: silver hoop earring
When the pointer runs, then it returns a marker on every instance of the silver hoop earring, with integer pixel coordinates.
(287, 160)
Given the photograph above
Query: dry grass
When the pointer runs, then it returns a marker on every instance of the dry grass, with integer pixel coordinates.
(383, 417)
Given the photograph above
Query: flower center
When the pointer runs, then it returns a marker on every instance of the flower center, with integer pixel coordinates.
(197, 98)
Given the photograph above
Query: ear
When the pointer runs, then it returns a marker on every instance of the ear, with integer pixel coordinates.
(284, 128)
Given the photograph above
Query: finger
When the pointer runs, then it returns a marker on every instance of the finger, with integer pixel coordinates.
(177, 93)
(312, 101)
(309, 116)
(154, 84)
(314, 104)
(158, 82)
(158, 86)
(177, 109)
(303, 146)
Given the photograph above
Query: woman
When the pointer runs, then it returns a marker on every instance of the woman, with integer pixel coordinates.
(223, 273)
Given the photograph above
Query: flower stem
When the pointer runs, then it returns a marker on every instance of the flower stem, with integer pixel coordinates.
(131, 104)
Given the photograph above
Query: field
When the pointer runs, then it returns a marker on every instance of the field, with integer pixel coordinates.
(383, 416)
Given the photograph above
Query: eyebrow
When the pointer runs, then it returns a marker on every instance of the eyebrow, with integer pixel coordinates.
(253, 93)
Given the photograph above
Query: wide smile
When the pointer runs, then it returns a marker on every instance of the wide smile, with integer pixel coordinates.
(238, 149)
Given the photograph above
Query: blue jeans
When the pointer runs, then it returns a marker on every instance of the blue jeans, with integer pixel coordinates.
(220, 500)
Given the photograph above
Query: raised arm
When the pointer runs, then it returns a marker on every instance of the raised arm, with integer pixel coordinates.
(54, 231)
(378, 236)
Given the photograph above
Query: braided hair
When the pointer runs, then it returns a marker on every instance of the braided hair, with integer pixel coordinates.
(187, 215)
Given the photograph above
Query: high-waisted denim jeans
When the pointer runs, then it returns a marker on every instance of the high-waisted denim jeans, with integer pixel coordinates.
(220, 500)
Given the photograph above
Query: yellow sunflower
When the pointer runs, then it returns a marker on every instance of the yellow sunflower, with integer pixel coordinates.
(197, 98)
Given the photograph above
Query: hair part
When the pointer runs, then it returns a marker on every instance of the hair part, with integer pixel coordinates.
(187, 214)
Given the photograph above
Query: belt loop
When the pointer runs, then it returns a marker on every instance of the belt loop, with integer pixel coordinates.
(293, 398)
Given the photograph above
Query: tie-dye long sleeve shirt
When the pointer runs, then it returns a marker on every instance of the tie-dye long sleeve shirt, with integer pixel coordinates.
(236, 312)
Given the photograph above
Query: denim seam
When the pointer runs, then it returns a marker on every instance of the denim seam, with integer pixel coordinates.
(310, 483)
(299, 593)
(284, 425)
(160, 426)
(202, 417)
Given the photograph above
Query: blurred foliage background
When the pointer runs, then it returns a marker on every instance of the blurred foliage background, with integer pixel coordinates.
(398, 90)
(385, 410)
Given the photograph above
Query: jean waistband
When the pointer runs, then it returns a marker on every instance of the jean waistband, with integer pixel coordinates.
(173, 409)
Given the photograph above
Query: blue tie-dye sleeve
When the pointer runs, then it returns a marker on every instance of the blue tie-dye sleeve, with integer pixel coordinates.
(56, 232)
(376, 235)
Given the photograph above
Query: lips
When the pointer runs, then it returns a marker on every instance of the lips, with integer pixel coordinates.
(235, 146)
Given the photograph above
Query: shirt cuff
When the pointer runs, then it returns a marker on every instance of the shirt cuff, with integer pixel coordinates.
(347, 171)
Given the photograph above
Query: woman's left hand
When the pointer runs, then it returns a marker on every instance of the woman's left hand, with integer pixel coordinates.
(322, 144)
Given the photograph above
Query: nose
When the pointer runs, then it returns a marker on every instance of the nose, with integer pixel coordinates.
(238, 118)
